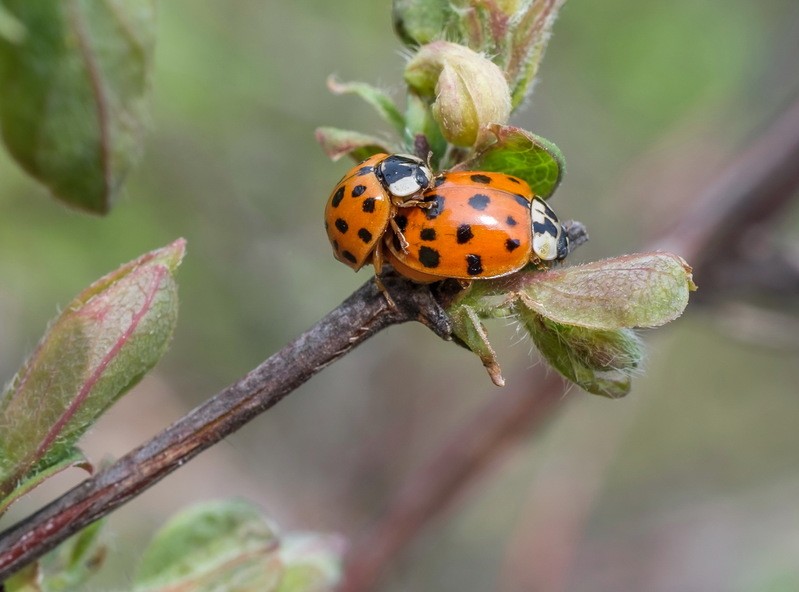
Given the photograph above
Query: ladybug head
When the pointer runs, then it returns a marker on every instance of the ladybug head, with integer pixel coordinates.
(404, 175)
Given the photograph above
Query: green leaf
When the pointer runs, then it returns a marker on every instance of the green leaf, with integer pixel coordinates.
(417, 22)
(214, 546)
(313, 562)
(469, 331)
(338, 142)
(73, 107)
(378, 99)
(640, 290)
(106, 339)
(68, 567)
(517, 152)
(484, 27)
(71, 458)
(600, 362)
(529, 39)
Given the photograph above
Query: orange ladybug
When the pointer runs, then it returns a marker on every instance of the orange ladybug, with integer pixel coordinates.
(478, 225)
(364, 203)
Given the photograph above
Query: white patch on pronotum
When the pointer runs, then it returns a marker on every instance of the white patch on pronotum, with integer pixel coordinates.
(405, 175)
(546, 231)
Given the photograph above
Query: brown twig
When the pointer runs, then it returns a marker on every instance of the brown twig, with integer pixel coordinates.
(757, 186)
(359, 317)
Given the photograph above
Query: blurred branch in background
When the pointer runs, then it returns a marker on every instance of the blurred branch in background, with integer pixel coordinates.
(756, 187)
(714, 235)
(472, 449)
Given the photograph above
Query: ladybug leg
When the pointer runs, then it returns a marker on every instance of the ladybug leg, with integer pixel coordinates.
(419, 203)
(404, 244)
(377, 263)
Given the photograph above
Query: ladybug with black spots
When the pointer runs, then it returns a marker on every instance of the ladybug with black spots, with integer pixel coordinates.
(478, 225)
(364, 204)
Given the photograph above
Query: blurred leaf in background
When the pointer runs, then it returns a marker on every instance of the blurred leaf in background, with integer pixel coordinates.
(74, 77)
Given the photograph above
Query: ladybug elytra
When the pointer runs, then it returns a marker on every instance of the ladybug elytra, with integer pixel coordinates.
(478, 225)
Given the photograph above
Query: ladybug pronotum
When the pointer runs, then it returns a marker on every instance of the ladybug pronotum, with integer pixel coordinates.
(477, 225)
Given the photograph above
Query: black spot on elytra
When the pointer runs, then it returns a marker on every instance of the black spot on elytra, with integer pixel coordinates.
(428, 257)
(464, 234)
(402, 222)
(428, 234)
(478, 178)
(474, 265)
(342, 225)
(512, 244)
(439, 180)
(479, 201)
(545, 227)
(349, 256)
(358, 190)
(511, 221)
(437, 207)
(368, 205)
(337, 197)
(365, 235)
(364, 171)
(521, 200)
(397, 244)
(513, 179)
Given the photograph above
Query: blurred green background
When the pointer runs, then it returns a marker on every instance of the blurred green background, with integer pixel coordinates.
(688, 484)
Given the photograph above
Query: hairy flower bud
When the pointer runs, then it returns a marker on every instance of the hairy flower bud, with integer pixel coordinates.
(509, 7)
(467, 91)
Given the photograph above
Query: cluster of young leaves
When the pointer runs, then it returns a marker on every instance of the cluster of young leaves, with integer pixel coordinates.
(213, 546)
(580, 318)
(473, 63)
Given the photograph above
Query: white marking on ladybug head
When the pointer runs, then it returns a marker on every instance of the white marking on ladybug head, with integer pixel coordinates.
(404, 175)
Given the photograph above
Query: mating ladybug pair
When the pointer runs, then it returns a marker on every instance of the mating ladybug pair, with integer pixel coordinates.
(464, 225)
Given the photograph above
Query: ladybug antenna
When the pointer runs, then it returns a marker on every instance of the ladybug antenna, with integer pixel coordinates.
(421, 145)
